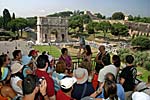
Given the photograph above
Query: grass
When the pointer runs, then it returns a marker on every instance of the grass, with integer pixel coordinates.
(53, 50)
(145, 74)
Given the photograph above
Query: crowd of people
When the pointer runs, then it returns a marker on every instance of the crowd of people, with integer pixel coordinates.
(39, 77)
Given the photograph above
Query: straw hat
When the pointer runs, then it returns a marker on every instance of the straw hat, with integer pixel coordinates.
(16, 67)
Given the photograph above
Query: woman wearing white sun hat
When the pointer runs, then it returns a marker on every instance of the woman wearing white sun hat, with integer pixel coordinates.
(16, 78)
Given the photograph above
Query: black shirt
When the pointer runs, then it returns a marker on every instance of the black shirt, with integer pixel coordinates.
(129, 74)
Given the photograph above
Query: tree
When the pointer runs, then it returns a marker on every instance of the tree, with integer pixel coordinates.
(86, 19)
(19, 23)
(104, 26)
(6, 18)
(1, 21)
(13, 16)
(130, 18)
(98, 15)
(76, 22)
(142, 41)
(31, 22)
(119, 29)
(13, 27)
(118, 16)
(91, 27)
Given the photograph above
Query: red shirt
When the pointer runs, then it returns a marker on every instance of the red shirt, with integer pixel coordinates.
(62, 96)
(50, 83)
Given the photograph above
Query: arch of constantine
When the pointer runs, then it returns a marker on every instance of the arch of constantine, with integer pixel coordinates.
(52, 29)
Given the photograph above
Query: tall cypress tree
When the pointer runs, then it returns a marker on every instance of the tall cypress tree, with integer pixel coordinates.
(6, 18)
(14, 27)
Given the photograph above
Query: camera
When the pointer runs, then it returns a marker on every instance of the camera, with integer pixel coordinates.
(40, 80)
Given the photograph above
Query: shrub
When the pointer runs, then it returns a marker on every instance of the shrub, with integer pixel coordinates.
(147, 65)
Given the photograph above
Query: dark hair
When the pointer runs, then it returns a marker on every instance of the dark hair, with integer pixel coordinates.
(44, 53)
(29, 83)
(42, 60)
(2, 60)
(129, 59)
(116, 60)
(110, 90)
(16, 53)
(30, 53)
(19, 74)
(110, 76)
(63, 50)
(88, 48)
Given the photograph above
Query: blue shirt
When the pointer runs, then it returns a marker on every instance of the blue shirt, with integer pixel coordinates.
(120, 92)
(57, 77)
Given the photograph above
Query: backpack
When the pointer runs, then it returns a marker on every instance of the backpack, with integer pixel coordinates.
(24, 67)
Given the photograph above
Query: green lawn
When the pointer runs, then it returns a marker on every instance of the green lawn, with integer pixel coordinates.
(53, 50)
(144, 72)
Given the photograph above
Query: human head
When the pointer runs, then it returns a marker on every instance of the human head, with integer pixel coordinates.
(4, 60)
(81, 75)
(4, 69)
(67, 83)
(42, 61)
(17, 54)
(88, 49)
(64, 50)
(29, 84)
(33, 53)
(116, 60)
(60, 67)
(129, 59)
(110, 76)
(110, 90)
(102, 48)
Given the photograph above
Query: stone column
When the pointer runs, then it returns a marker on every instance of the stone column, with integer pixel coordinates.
(38, 30)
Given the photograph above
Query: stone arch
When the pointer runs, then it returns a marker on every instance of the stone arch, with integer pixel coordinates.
(53, 26)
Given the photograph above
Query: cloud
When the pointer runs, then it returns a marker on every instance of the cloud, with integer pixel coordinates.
(42, 11)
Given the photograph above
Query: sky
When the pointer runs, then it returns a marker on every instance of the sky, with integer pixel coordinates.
(28, 8)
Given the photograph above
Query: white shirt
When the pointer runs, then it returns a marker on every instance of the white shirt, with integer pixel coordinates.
(107, 69)
(13, 82)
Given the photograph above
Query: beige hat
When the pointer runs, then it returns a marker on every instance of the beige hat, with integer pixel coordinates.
(81, 75)
(16, 67)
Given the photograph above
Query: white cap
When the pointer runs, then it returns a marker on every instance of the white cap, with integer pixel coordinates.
(67, 82)
(140, 96)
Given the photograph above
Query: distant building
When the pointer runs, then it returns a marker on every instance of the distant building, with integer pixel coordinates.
(48, 26)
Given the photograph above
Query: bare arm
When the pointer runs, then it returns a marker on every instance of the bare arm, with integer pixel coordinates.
(97, 60)
(7, 91)
(98, 91)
